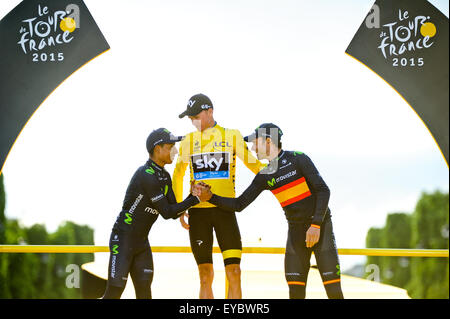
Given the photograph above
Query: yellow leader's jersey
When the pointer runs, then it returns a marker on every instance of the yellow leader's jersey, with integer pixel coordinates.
(211, 156)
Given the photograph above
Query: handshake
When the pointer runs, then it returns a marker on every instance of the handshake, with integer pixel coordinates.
(202, 191)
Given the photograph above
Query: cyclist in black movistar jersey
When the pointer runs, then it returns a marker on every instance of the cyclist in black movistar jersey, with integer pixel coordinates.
(148, 195)
(303, 195)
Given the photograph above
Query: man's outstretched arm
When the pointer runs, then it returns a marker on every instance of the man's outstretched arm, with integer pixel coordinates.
(240, 203)
(167, 209)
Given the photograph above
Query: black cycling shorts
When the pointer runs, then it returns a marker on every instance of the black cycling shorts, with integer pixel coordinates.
(202, 222)
(297, 257)
(129, 256)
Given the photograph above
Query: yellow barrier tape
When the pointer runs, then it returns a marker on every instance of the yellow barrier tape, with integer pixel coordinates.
(245, 250)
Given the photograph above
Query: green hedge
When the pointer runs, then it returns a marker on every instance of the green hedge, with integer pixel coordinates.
(426, 228)
(26, 275)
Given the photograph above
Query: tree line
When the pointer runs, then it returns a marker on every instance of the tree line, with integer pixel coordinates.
(28, 275)
(427, 227)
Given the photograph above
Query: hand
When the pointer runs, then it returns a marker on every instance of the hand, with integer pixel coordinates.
(196, 190)
(202, 191)
(183, 222)
(312, 236)
(204, 185)
(197, 187)
(205, 194)
(193, 188)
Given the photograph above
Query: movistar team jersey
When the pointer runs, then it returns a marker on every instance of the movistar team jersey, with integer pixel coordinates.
(296, 184)
(211, 156)
(149, 194)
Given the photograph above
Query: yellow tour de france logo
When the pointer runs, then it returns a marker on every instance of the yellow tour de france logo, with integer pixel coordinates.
(68, 24)
(428, 29)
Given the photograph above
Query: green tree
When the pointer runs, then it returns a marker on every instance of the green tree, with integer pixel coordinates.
(3, 264)
(25, 275)
(42, 275)
(37, 235)
(430, 228)
(373, 240)
(67, 233)
(396, 234)
(427, 228)
(20, 268)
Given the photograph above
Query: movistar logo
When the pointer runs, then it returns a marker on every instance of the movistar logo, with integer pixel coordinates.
(150, 170)
(128, 220)
(114, 249)
(166, 188)
(271, 182)
(339, 270)
(297, 153)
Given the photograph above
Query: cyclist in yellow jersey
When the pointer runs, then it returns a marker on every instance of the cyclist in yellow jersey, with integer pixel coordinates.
(210, 153)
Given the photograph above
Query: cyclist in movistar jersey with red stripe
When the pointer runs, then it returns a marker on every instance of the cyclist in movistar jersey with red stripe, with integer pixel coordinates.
(303, 195)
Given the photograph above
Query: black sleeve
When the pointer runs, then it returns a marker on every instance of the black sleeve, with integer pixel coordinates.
(240, 203)
(160, 202)
(170, 195)
(318, 185)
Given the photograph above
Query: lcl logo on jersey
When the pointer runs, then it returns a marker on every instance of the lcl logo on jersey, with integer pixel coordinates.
(211, 165)
(221, 146)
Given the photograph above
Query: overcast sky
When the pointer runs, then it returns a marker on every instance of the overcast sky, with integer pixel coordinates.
(258, 61)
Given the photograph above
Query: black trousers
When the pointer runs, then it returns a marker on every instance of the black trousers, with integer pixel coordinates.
(203, 222)
(297, 259)
(129, 256)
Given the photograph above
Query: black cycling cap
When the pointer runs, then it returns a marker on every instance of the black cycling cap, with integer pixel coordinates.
(196, 104)
(161, 136)
(266, 130)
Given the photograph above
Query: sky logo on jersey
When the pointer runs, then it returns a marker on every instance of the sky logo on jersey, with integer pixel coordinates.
(211, 165)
